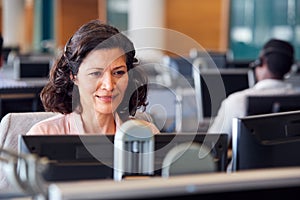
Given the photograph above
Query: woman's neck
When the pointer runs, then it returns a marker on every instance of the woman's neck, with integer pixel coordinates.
(94, 123)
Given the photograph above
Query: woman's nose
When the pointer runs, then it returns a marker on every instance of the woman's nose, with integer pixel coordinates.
(107, 82)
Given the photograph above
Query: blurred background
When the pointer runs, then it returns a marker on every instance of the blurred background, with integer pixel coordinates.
(238, 27)
(232, 33)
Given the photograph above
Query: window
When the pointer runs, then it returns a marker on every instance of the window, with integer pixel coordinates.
(253, 22)
(117, 13)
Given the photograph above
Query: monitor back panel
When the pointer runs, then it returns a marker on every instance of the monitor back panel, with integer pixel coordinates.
(216, 85)
(266, 141)
(74, 157)
(265, 104)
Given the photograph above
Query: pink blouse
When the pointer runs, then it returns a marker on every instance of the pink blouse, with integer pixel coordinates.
(69, 124)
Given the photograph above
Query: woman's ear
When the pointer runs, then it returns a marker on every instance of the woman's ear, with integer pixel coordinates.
(73, 78)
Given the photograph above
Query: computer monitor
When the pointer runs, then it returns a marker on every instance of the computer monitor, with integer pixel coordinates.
(213, 59)
(181, 67)
(266, 141)
(70, 157)
(15, 104)
(264, 104)
(183, 64)
(32, 67)
(219, 58)
(6, 50)
(238, 63)
(73, 157)
(216, 85)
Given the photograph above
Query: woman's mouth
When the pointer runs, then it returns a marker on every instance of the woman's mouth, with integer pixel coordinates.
(106, 99)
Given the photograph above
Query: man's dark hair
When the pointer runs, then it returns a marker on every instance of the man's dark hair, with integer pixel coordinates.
(279, 56)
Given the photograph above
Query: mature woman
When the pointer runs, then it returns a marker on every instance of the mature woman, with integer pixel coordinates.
(94, 84)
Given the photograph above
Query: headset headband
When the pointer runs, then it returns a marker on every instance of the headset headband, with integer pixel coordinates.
(276, 50)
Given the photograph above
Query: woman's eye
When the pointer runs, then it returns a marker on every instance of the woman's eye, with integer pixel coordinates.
(119, 73)
(97, 74)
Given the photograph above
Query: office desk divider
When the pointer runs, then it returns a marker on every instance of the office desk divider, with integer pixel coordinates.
(271, 183)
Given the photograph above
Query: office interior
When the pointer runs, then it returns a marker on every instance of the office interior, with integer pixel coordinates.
(175, 39)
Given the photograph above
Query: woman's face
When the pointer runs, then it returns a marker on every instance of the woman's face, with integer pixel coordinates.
(102, 80)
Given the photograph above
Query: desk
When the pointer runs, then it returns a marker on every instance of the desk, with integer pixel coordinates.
(281, 182)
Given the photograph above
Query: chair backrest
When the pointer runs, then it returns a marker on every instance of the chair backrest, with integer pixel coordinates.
(14, 124)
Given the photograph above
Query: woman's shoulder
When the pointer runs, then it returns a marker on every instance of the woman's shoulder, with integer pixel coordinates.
(54, 119)
(55, 125)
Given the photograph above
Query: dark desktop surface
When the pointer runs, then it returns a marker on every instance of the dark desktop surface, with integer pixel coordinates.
(71, 158)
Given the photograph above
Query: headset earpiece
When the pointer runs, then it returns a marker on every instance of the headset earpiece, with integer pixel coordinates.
(258, 62)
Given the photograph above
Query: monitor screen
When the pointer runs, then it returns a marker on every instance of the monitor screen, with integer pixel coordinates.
(265, 104)
(32, 67)
(34, 70)
(266, 141)
(168, 107)
(216, 85)
(220, 59)
(71, 158)
(183, 65)
(211, 58)
(180, 66)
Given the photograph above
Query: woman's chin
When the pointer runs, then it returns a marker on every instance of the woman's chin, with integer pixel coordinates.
(103, 110)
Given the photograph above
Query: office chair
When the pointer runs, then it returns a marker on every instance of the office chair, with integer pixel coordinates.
(12, 125)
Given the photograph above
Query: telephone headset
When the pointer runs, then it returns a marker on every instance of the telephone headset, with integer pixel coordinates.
(265, 52)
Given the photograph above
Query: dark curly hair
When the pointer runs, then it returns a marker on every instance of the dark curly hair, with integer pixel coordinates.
(62, 95)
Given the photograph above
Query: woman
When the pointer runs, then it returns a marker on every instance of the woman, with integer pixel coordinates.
(94, 84)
